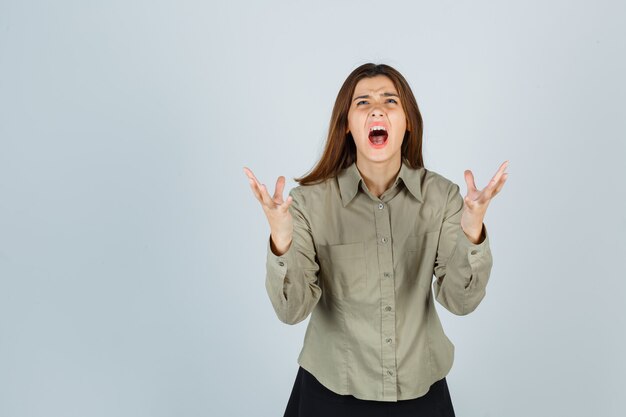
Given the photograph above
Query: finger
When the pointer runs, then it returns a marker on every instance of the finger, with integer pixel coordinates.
(502, 181)
(280, 186)
(251, 175)
(263, 195)
(499, 173)
(495, 180)
(469, 180)
(489, 194)
(255, 190)
(267, 199)
(286, 204)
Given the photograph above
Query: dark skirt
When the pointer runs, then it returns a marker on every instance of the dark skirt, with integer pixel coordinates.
(309, 398)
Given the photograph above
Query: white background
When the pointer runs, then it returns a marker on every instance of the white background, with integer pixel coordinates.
(132, 251)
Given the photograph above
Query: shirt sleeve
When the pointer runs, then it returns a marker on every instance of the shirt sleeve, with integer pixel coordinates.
(462, 268)
(292, 278)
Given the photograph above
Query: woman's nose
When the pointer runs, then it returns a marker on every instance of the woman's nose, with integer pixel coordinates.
(377, 112)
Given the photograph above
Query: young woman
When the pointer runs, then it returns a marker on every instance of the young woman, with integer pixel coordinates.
(356, 245)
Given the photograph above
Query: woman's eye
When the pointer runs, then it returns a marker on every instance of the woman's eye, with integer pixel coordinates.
(365, 101)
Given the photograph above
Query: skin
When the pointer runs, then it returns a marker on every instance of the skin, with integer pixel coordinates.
(378, 167)
(276, 210)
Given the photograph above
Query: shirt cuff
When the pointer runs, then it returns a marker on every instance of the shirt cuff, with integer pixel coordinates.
(473, 250)
(278, 264)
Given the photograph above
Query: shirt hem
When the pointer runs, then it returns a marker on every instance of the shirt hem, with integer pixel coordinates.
(406, 396)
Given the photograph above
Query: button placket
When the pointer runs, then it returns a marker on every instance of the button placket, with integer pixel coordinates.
(387, 300)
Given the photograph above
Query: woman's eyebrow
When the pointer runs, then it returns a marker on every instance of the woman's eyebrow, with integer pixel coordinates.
(382, 94)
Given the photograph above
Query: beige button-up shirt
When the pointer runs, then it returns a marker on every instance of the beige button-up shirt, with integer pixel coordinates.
(363, 266)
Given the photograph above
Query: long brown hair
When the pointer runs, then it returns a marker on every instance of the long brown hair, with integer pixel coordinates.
(340, 150)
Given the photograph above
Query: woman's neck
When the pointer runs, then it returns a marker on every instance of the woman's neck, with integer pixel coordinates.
(379, 176)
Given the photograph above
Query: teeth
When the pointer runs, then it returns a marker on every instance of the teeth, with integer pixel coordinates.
(378, 128)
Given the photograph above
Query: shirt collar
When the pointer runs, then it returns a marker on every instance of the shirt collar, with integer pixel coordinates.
(350, 178)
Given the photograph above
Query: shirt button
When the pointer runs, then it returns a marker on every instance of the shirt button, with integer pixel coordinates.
(281, 263)
(389, 372)
(474, 252)
(381, 206)
(388, 308)
(388, 340)
(387, 274)
(384, 240)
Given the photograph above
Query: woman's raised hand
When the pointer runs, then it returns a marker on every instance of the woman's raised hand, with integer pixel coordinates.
(276, 210)
(476, 201)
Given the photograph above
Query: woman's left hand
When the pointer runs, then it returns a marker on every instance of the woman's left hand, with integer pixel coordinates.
(476, 202)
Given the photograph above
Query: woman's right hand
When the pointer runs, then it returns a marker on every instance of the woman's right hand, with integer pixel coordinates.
(276, 210)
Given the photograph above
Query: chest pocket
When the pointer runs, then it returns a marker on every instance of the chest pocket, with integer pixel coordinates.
(345, 270)
(419, 255)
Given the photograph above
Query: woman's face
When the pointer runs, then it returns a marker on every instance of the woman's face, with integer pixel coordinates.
(376, 120)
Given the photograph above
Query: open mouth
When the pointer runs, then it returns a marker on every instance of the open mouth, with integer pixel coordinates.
(378, 135)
